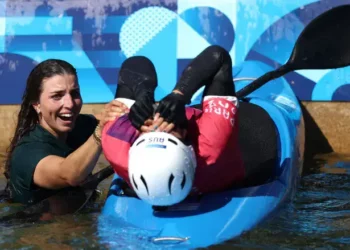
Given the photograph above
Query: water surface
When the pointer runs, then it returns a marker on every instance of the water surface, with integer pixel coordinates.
(318, 218)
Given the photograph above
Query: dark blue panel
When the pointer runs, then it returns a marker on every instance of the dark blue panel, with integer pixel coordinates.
(39, 43)
(109, 75)
(308, 13)
(101, 42)
(342, 93)
(14, 70)
(256, 56)
(181, 65)
(301, 85)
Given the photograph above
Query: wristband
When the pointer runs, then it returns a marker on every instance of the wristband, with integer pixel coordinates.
(97, 137)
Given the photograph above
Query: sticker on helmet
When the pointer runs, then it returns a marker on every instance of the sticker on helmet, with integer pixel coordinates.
(156, 139)
(156, 146)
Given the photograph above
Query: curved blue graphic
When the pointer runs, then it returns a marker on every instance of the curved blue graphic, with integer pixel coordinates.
(275, 45)
(12, 83)
(342, 93)
(331, 83)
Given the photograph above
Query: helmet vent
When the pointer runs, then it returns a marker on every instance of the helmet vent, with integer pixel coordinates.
(172, 141)
(134, 182)
(183, 181)
(140, 142)
(171, 179)
(144, 183)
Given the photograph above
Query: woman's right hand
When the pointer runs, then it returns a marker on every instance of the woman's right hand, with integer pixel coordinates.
(111, 111)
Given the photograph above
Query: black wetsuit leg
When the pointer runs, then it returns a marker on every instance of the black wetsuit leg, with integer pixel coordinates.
(258, 140)
(212, 68)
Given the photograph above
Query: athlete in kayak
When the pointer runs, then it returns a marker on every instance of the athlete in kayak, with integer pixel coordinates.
(53, 146)
(161, 152)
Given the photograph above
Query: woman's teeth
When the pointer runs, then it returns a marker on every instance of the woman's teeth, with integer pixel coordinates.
(66, 115)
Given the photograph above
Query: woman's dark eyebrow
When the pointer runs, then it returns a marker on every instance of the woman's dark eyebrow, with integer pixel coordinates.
(57, 91)
(62, 91)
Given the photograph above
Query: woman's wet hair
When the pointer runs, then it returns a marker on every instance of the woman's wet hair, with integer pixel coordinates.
(27, 116)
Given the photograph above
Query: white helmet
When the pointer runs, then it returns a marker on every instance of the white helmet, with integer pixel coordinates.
(161, 168)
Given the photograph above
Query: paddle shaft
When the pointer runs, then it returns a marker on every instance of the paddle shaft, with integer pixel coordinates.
(93, 181)
(284, 69)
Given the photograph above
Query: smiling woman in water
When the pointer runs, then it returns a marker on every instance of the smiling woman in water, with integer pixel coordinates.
(54, 146)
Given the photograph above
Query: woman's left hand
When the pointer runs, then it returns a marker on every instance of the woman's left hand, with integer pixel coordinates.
(160, 125)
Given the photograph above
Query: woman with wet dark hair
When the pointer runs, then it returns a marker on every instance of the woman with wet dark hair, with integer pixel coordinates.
(54, 146)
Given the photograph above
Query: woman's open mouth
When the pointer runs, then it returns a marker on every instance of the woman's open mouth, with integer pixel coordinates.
(67, 117)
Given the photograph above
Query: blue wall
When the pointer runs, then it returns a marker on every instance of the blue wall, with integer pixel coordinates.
(96, 36)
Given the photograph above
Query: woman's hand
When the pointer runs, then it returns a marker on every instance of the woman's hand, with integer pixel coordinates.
(147, 126)
(111, 111)
(159, 124)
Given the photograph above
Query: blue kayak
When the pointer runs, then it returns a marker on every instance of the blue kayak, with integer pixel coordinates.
(217, 217)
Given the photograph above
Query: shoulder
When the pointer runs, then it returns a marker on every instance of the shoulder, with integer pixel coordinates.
(33, 147)
(23, 163)
(25, 158)
(32, 152)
